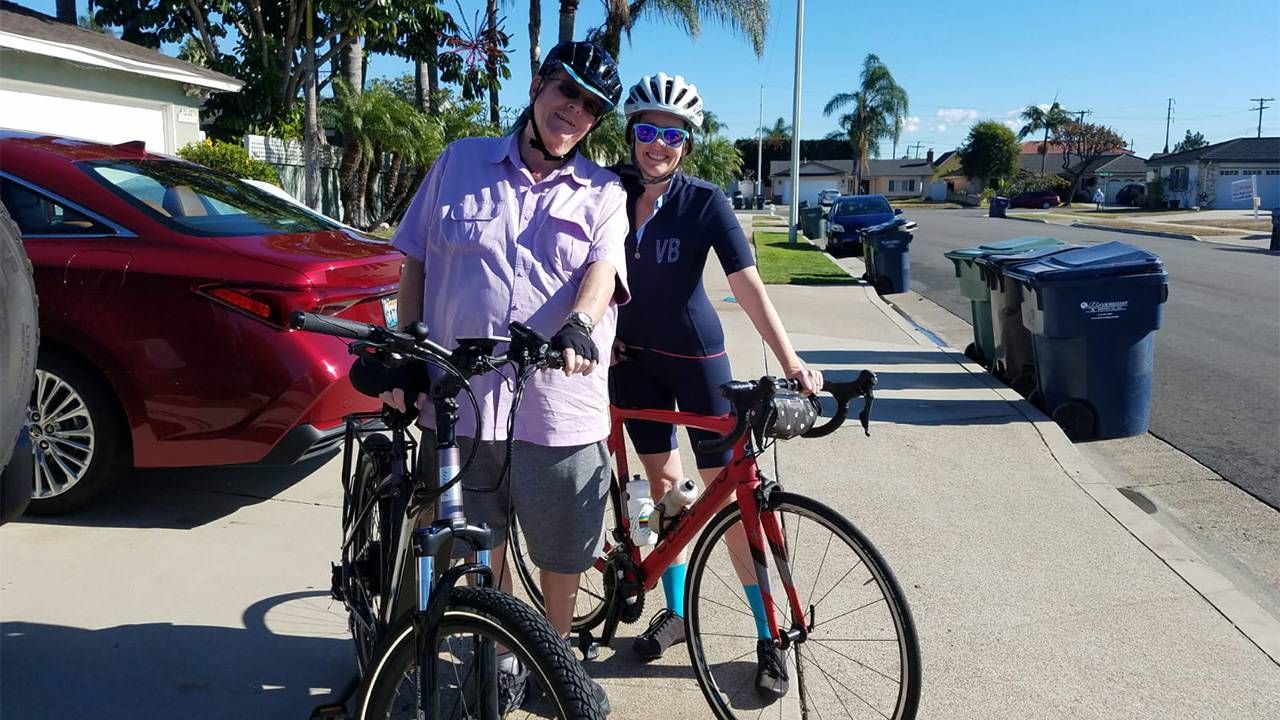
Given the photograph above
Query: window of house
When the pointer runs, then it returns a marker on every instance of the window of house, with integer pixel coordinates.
(1228, 172)
(911, 186)
(1178, 178)
(1250, 172)
(893, 185)
(1273, 172)
(39, 215)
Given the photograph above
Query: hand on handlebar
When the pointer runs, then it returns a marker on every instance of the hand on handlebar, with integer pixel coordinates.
(810, 380)
(577, 349)
(395, 399)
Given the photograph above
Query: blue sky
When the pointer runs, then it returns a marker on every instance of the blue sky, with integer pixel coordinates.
(960, 62)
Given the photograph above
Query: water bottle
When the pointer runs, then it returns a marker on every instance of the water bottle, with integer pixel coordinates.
(640, 509)
(672, 504)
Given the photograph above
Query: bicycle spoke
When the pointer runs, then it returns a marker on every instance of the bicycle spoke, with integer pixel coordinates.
(726, 607)
(830, 679)
(819, 575)
(837, 694)
(833, 587)
(732, 591)
(828, 648)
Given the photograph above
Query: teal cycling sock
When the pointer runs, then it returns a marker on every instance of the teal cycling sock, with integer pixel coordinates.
(757, 609)
(673, 588)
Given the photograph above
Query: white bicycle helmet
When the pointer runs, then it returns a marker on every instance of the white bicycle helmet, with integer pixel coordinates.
(667, 94)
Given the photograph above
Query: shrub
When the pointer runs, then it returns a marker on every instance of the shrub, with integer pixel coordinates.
(229, 158)
(1037, 182)
(1155, 193)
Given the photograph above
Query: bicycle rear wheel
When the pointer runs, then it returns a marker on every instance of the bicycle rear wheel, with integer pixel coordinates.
(372, 514)
(860, 658)
(477, 615)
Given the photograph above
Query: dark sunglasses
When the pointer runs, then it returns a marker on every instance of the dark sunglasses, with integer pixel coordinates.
(571, 91)
(671, 137)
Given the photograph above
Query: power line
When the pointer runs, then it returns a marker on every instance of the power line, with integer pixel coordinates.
(1262, 105)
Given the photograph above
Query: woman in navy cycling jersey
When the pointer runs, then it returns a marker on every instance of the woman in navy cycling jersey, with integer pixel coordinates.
(670, 347)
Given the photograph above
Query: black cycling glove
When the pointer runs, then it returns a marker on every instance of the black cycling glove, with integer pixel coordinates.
(572, 337)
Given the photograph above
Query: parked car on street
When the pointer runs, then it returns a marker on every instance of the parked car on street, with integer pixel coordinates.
(828, 196)
(1039, 199)
(165, 288)
(852, 213)
(1132, 195)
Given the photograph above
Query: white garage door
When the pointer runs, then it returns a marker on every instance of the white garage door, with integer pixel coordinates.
(811, 186)
(96, 120)
(1268, 190)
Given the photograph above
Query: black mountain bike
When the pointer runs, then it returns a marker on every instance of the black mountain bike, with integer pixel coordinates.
(427, 646)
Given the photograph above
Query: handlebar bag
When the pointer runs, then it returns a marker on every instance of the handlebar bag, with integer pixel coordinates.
(790, 415)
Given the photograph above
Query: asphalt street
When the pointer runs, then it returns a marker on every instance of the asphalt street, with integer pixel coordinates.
(1216, 393)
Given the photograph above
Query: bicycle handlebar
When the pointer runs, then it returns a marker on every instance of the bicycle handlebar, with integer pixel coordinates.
(750, 397)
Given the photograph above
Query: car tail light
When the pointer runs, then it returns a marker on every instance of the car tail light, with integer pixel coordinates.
(274, 305)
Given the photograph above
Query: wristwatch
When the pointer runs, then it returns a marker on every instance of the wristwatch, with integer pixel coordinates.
(582, 320)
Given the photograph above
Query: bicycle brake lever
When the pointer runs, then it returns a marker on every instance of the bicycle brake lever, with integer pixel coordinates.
(864, 417)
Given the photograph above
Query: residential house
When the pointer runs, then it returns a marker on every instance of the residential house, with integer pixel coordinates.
(61, 79)
(1205, 177)
(891, 178)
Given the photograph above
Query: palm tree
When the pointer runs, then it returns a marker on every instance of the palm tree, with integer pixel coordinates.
(568, 9)
(535, 31)
(775, 137)
(880, 109)
(749, 18)
(1050, 120)
(711, 124)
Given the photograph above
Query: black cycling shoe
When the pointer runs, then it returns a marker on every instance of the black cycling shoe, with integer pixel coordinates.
(771, 671)
(512, 681)
(666, 629)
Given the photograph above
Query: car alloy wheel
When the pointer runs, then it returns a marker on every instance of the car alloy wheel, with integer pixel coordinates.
(62, 434)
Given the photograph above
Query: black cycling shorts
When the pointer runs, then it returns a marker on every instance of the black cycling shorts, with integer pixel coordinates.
(653, 380)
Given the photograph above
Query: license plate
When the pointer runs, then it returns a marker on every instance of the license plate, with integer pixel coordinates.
(390, 315)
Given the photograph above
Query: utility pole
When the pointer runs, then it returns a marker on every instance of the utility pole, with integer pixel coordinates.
(793, 215)
(916, 152)
(1262, 105)
(1081, 113)
(760, 146)
(1168, 120)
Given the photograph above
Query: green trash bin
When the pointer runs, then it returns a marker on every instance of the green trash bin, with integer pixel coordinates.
(812, 224)
(1014, 360)
(973, 286)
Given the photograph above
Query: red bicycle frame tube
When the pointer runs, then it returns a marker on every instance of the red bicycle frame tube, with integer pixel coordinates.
(738, 477)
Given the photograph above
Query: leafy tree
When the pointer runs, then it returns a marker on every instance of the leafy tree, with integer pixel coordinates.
(748, 18)
(1191, 141)
(879, 111)
(1049, 120)
(607, 143)
(778, 135)
(714, 159)
(1082, 144)
(1038, 182)
(990, 153)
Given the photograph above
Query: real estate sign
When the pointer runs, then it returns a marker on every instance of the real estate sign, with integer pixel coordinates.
(1242, 190)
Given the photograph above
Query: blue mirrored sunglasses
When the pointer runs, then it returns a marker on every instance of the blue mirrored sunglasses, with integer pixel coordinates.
(671, 137)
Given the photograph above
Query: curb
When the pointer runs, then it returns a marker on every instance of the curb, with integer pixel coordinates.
(1131, 231)
(1029, 219)
(1237, 608)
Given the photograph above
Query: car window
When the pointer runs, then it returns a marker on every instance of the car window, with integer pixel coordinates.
(199, 201)
(37, 214)
(862, 206)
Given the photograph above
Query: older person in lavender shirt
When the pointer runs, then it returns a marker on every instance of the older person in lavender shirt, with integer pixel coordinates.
(523, 228)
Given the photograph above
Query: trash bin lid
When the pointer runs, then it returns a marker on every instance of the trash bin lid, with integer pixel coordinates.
(1111, 258)
(1022, 244)
(1006, 260)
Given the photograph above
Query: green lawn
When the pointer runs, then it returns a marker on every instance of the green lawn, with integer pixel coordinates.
(801, 264)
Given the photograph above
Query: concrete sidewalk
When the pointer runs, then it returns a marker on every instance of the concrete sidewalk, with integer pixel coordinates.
(1031, 599)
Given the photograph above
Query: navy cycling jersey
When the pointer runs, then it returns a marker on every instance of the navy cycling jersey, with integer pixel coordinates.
(669, 309)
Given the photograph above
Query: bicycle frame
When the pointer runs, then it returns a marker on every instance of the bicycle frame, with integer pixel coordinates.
(740, 479)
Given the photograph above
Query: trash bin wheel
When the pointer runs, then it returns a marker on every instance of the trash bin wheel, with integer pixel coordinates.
(971, 352)
(884, 286)
(1024, 384)
(1076, 419)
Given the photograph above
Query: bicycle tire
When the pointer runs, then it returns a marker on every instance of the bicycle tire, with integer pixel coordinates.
(19, 334)
(503, 619)
(908, 695)
(368, 559)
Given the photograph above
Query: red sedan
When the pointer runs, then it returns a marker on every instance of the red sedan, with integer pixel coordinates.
(164, 291)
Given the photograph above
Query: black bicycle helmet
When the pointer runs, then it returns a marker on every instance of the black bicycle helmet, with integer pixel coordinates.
(590, 65)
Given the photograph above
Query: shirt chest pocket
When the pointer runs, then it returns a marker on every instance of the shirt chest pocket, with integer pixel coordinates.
(563, 243)
(470, 225)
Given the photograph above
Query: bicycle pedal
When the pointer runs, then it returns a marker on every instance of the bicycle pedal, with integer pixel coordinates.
(588, 646)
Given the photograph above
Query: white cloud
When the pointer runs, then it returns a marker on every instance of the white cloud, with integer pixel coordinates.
(940, 127)
(1044, 106)
(1011, 113)
(911, 124)
(957, 115)
(1013, 125)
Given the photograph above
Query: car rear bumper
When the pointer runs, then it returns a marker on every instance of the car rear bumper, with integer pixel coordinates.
(304, 442)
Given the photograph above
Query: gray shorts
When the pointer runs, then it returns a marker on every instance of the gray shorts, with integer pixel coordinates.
(558, 495)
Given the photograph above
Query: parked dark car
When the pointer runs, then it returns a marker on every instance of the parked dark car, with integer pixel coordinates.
(852, 213)
(1039, 199)
(1132, 195)
(165, 288)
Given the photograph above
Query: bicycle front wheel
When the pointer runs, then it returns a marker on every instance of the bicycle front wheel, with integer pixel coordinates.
(860, 657)
(557, 687)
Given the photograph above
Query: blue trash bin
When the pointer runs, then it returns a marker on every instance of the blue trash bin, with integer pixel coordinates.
(888, 246)
(1013, 354)
(1093, 314)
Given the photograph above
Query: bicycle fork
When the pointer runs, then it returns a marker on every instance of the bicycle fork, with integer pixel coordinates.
(761, 526)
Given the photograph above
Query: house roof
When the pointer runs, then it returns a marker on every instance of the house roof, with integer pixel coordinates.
(1122, 164)
(782, 168)
(1265, 149)
(876, 168)
(26, 30)
(908, 166)
(1032, 147)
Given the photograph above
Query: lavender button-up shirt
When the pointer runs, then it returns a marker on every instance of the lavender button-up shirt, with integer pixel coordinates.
(497, 247)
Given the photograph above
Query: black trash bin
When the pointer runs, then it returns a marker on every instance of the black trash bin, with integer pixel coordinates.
(737, 202)
(1013, 352)
(759, 202)
(885, 250)
(999, 206)
(1275, 229)
(1093, 314)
